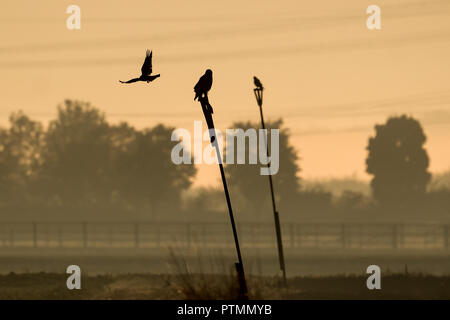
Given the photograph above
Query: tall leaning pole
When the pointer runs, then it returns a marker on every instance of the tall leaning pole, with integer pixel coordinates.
(258, 90)
(207, 112)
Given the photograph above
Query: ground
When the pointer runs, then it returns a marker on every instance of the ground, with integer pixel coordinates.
(148, 286)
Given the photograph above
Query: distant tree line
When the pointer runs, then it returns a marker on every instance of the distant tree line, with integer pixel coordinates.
(81, 163)
(82, 166)
(396, 159)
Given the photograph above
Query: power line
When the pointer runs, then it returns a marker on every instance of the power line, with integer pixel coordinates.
(252, 53)
(273, 26)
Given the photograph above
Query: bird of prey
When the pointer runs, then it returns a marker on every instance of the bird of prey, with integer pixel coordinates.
(257, 83)
(146, 70)
(203, 85)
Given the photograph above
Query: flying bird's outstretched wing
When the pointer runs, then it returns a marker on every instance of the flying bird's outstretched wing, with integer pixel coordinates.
(130, 81)
(204, 84)
(257, 83)
(147, 66)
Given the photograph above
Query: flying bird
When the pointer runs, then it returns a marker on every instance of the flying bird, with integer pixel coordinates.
(257, 83)
(203, 85)
(146, 70)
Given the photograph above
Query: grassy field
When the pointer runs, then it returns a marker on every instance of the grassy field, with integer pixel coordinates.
(196, 286)
(257, 262)
(162, 274)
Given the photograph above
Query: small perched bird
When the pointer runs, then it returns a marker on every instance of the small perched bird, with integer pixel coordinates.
(257, 83)
(203, 85)
(146, 70)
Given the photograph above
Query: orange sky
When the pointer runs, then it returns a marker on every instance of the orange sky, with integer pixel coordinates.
(325, 74)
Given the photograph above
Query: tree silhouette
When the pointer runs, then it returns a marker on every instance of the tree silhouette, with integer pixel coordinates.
(398, 162)
(142, 170)
(76, 159)
(81, 161)
(87, 162)
(245, 179)
(20, 151)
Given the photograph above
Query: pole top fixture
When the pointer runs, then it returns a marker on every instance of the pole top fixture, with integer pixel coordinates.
(258, 91)
(259, 96)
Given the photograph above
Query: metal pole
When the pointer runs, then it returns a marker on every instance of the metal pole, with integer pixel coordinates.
(206, 107)
(259, 99)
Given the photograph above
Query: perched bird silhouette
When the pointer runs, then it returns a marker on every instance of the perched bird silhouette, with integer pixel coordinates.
(146, 70)
(203, 85)
(257, 83)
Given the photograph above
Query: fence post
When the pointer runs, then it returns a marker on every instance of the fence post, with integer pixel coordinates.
(360, 235)
(316, 231)
(136, 235)
(254, 241)
(110, 236)
(158, 235)
(85, 239)
(47, 237)
(446, 242)
(35, 243)
(11, 237)
(343, 236)
(188, 235)
(60, 240)
(204, 242)
(3, 237)
(401, 240)
(291, 231)
(394, 236)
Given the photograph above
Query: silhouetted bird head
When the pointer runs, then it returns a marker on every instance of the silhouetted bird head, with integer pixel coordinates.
(208, 72)
(257, 83)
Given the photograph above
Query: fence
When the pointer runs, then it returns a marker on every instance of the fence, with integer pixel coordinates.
(214, 235)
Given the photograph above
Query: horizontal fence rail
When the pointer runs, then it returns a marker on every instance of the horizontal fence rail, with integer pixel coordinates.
(215, 235)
